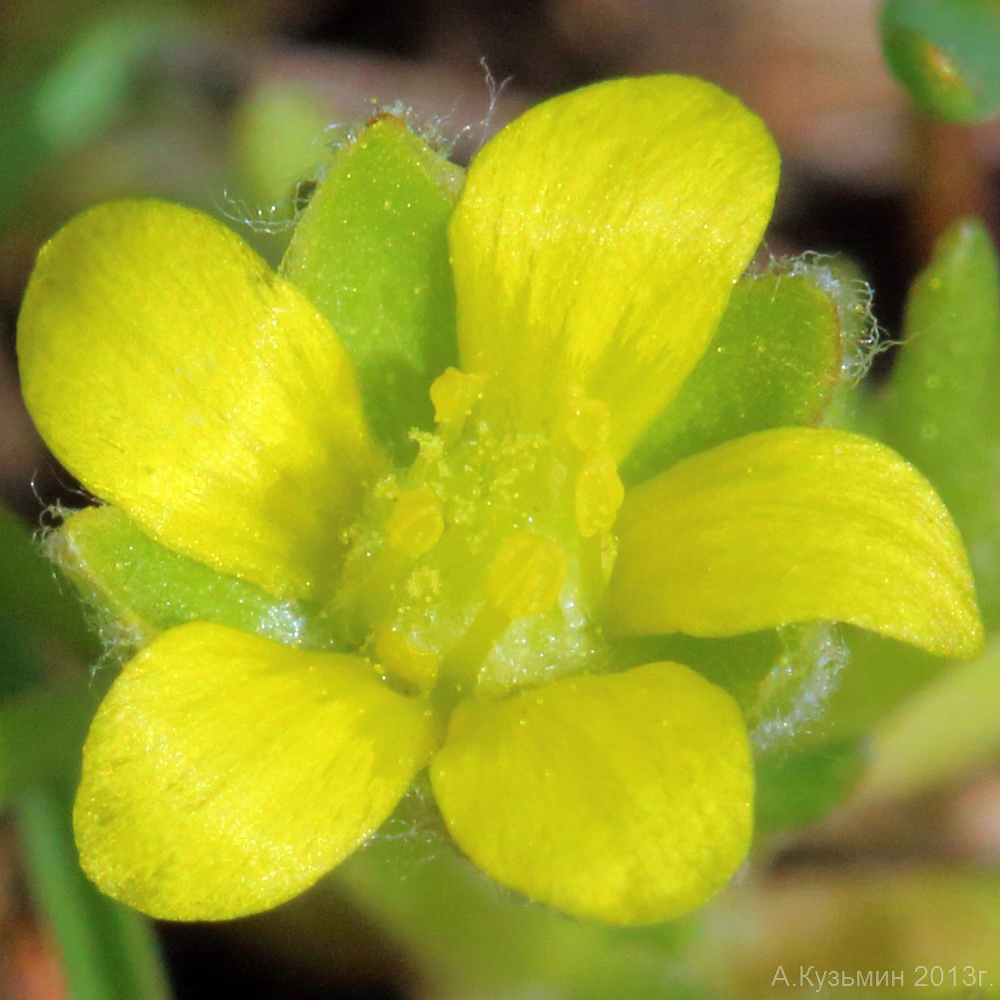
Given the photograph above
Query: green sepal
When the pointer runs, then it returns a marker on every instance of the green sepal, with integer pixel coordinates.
(782, 679)
(775, 361)
(945, 53)
(371, 252)
(139, 588)
(941, 409)
(738, 663)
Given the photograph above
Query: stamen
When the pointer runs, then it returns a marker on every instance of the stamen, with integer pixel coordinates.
(526, 575)
(404, 661)
(588, 423)
(416, 522)
(599, 493)
(454, 394)
(524, 579)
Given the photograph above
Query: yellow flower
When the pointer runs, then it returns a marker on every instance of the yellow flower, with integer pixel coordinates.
(477, 596)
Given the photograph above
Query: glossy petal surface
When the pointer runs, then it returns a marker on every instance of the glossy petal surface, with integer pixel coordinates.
(596, 242)
(172, 372)
(793, 525)
(225, 773)
(624, 798)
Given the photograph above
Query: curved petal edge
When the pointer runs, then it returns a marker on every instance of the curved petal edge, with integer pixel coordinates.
(596, 241)
(225, 773)
(793, 525)
(624, 798)
(178, 377)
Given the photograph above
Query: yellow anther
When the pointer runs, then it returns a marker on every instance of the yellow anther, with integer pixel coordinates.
(454, 393)
(526, 576)
(599, 493)
(416, 522)
(588, 423)
(404, 661)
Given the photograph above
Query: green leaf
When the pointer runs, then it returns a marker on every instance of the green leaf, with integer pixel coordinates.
(941, 409)
(31, 594)
(108, 952)
(920, 746)
(281, 140)
(41, 735)
(25, 147)
(371, 253)
(92, 83)
(945, 53)
(19, 668)
(140, 588)
(775, 361)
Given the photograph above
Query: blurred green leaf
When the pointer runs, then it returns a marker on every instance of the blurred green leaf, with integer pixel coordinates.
(775, 361)
(24, 145)
(93, 82)
(70, 80)
(945, 53)
(108, 952)
(869, 917)
(41, 733)
(942, 409)
(921, 746)
(281, 141)
(19, 667)
(371, 252)
(32, 595)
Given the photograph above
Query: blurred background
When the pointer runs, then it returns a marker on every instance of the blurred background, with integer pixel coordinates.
(220, 103)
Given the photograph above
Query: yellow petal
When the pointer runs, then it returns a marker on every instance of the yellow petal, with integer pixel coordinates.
(225, 773)
(596, 242)
(176, 376)
(793, 525)
(625, 798)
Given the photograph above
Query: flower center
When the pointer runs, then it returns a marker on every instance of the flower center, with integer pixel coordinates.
(484, 564)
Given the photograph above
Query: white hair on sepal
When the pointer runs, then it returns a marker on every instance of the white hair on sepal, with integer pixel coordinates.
(438, 131)
(838, 277)
(494, 91)
(793, 696)
(278, 217)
